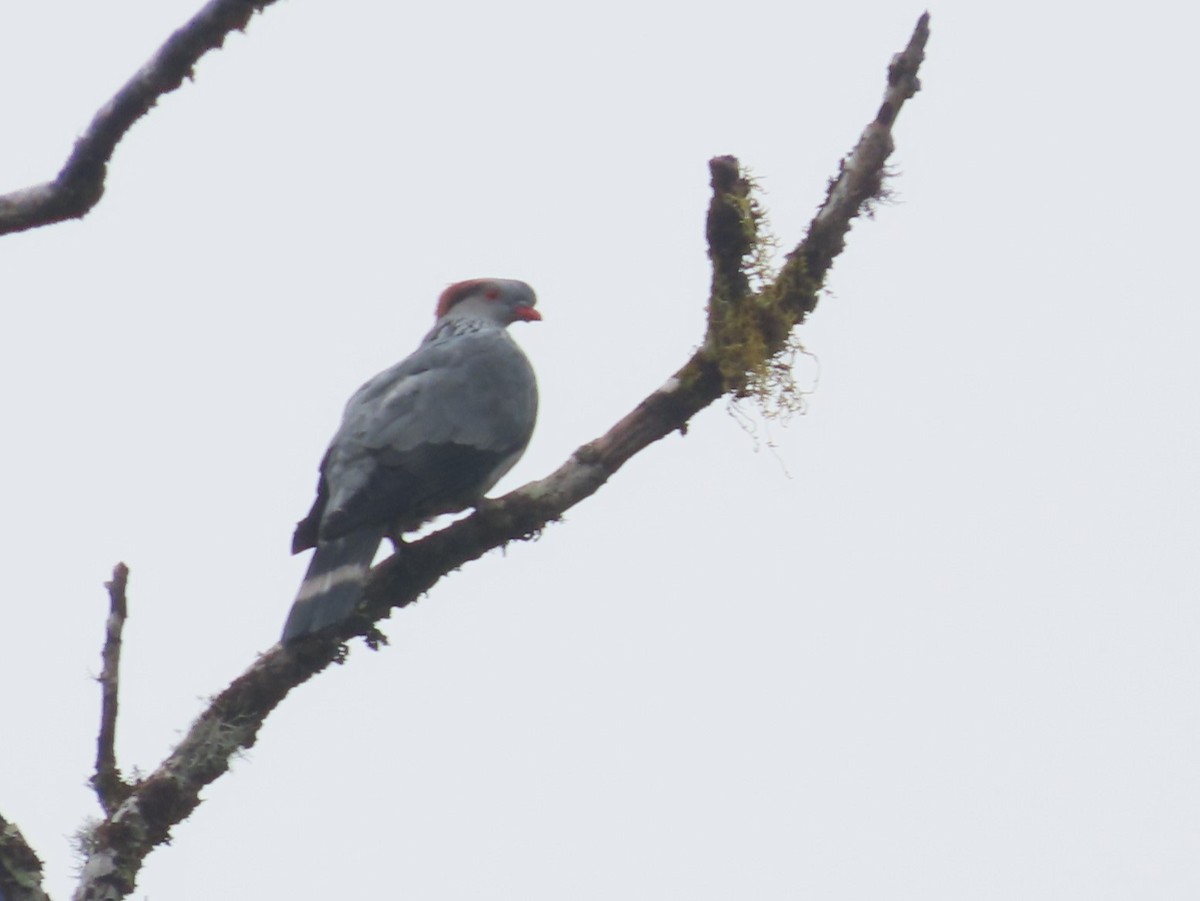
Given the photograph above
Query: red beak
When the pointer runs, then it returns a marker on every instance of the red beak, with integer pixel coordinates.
(528, 314)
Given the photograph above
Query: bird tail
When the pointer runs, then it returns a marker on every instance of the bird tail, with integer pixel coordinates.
(333, 585)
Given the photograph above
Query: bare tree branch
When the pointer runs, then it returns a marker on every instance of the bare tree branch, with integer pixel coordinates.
(110, 788)
(738, 320)
(859, 183)
(20, 868)
(80, 184)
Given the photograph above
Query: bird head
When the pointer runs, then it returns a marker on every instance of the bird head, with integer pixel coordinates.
(502, 300)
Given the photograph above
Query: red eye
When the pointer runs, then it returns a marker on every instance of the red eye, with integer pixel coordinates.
(492, 293)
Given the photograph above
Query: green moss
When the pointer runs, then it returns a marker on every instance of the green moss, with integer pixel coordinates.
(752, 317)
(755, 303)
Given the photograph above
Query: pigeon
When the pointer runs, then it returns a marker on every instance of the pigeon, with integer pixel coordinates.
(428, 436)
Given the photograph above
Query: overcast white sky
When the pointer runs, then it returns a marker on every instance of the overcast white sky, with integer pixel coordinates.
(939, 643)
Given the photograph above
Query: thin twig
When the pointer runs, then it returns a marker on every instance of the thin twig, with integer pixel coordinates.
(110, 788)
(80, 184)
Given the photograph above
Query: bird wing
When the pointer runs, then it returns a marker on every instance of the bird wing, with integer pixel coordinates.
(426, 436)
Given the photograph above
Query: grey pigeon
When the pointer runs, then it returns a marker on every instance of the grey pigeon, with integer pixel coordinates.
(428, 436)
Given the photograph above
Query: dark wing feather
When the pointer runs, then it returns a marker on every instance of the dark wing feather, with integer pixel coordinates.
(308, 528)
(415, 486)
(429, 435)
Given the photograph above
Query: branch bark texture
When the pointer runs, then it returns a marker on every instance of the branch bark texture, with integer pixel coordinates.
(110, 788)
(79, 185)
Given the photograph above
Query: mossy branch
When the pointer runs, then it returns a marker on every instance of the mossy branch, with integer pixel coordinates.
(750, 332)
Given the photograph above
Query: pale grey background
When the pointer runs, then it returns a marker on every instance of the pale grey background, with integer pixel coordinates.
(939, 642)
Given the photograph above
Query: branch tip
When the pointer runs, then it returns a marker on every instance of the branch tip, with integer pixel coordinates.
(732, 231)
(859, 184)
(110, 788)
